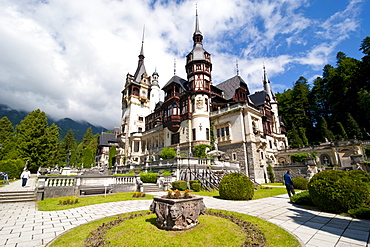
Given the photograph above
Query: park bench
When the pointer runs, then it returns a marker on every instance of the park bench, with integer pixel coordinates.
(92, 190)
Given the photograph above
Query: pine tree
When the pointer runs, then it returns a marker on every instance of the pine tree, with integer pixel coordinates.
(6, 139)
(325, 132)
(353, 129)
(341, 133)
(112, 155)
(35, 141)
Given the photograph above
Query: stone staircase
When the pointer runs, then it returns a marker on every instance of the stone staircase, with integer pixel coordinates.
(17, 196)
(151, 188)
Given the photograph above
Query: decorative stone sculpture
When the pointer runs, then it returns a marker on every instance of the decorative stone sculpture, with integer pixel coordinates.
(177, 214)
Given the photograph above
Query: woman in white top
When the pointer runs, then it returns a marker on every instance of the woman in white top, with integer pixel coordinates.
(25, 176)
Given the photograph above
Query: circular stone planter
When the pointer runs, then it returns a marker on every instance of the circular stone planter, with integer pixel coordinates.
(177, 214)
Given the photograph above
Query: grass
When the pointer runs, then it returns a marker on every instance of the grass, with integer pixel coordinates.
(258, 194)
(51, 204)
(274, 184)
(142, 231)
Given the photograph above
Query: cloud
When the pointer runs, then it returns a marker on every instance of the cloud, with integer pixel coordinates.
(70, 58)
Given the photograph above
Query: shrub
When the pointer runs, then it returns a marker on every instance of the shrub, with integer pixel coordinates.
(179, 185)
(361, 212)
(149, 177)
(299, 157)
(302, 198)
(270, 173)
(196, 187)
(337, 191)
(236, 186)
(300, 183)
(167, 153)
(12, 167)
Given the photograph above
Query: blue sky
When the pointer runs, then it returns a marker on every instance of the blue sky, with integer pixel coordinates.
(70, 58)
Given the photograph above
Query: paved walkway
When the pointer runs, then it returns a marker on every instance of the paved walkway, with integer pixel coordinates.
(21, 224)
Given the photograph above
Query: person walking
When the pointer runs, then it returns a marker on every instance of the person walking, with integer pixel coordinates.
(25, 176)
(288, 181)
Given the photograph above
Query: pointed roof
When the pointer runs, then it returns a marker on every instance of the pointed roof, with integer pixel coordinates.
(178, 80)
(229, 86)
(198, 50)
(140, 66)
(197, 31)
(259, 98)
(267, 85)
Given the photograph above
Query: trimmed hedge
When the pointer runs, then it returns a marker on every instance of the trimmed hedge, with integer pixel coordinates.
(195, 185)
(148, 177)
(339, 191)
(179, 185)
(236, 186)
(14, 168)
(300, 183)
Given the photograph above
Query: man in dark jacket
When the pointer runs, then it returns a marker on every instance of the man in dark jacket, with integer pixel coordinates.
(288, 181)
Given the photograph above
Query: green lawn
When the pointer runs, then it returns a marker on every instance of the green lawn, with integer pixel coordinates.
(142, 230)
(258, 194)
(51, 204)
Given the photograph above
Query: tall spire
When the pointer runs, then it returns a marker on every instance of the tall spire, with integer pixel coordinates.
(197, 36)
(266, 85)
(174, 66)
(142, 45)
(237, 67)
(140, 67)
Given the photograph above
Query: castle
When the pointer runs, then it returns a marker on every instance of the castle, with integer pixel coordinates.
(195, 110)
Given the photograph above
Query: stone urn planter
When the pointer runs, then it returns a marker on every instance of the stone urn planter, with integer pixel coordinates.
(177, 214)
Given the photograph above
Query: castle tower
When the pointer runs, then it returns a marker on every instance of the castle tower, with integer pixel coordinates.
(273, 101)
(198, 68)
(135, 107)
(154, 91)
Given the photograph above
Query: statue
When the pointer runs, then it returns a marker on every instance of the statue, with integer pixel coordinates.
(358, 167)
(68, 158)
(309, 173)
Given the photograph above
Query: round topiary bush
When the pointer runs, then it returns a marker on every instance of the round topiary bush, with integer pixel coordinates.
(236, 186)
(338, 191)
(179, 185)
(300, 183)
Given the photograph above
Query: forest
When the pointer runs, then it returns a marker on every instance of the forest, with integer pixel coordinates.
(335, 107)
(38, 142)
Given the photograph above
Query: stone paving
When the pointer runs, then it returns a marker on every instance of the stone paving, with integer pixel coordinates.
(21, 224)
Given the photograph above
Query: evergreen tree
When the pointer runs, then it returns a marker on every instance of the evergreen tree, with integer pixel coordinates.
(7, 150)
(88, 136)
(340, 131)
(325, 131)
(112, 155)
(51, 145)
(294, 140)
(35, 141)
(68, 144)
(353, 129)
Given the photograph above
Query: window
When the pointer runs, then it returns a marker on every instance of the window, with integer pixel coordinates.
(270, 144)
(141, 119)
(234, 156)
(222, 132)
(194, 136)
(227, 130)
(142, 104)
(218, 132)
(175, 138)
(207, 134)
(140, 129)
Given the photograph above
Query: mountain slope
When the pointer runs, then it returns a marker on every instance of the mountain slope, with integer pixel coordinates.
(65, 124)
